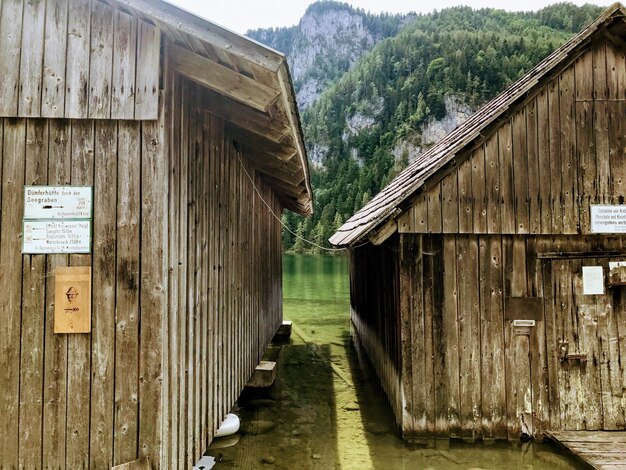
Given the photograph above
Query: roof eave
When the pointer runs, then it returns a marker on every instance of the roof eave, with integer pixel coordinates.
(244, 48)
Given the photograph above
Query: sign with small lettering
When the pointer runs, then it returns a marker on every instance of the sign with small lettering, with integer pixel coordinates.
(57, 202)
(57, 220)
(72, 299)
(50, 236)
(608, 219)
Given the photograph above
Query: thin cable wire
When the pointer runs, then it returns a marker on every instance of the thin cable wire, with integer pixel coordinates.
(331, 250)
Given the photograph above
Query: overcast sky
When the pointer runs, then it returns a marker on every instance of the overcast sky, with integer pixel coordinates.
(241, 15)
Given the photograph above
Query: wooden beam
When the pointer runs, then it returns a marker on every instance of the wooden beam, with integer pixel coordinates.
(272, 166)
(185, 23)
(260, 144)
(618, 41)
(222, 79)
(299, 205)
(291, 108)
(380, 235)
(139, 464)
(245, 117)
(278, 184)
(264, 375)
(286, 179)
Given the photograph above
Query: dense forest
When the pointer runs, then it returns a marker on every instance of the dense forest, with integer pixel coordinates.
(400, 85)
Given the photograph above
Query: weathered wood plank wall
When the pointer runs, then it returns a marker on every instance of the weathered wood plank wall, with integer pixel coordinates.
(83, 400)
(97, 400)
(539, 171)
(374, 284)
(225, 272)
(77, 59)
(465, 371)
(508, 383)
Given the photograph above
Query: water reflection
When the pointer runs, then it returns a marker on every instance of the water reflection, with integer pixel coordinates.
(327, 410)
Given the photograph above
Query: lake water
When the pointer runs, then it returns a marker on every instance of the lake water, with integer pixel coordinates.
(327, 410)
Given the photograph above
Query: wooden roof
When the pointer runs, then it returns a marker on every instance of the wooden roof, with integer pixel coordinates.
(254, 86)
(376, 220)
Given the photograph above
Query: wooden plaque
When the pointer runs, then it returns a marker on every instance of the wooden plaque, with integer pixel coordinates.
(72, 299)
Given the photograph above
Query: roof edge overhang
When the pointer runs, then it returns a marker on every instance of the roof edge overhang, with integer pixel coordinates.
(177, 22)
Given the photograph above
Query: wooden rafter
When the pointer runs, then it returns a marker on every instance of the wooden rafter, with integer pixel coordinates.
(270, 166)
(261, 144)
(184, 23)
(243, 116)
(288, 187)
(222, 79)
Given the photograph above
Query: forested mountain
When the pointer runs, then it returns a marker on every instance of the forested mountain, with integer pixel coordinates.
(328, 40)
(409, 90)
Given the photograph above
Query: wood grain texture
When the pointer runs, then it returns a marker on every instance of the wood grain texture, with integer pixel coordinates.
(596, 449)
(55, 361)
(79, 345)
(452, 300)
(532, 143)
(54, 59)
(569, 168)
(14, 152)
(543, 153)
(124, 66)
(493, 402)
(33, 314)
(101, 61)
(77, 59)
(147, 72)
(11, 14)
(103, 309)
(521, 206)
(127, 293)
(153, 281)
(545, 163)
(31, 59)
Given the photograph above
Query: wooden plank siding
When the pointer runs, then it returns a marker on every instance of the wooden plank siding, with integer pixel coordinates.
(61, 404)
(494, 225)
(224, 256)
(186, 230)
(112, 415)
(92, 62)
(540, 170)
(462, 369)
(374, 292)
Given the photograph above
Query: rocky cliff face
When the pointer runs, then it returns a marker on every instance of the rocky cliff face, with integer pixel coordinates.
(434, 130)
(327, 41)
(331, 39)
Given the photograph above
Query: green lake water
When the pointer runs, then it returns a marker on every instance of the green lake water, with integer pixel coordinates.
(327, 410)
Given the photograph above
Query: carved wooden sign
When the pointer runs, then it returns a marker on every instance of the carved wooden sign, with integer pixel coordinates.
(72, 299)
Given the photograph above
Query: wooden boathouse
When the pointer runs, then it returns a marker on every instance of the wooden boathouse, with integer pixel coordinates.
(487, 279)
(184, 141)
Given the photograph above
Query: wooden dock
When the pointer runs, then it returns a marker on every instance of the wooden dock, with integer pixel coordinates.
(598, 449)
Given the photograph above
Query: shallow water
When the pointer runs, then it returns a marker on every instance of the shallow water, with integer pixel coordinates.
(327, 410)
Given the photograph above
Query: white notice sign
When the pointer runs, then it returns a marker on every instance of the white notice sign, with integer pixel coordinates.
(64, 236)
(57, 202)
(593, 280)
(608, 219)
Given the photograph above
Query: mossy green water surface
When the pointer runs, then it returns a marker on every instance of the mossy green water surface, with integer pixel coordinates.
(327, 410)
